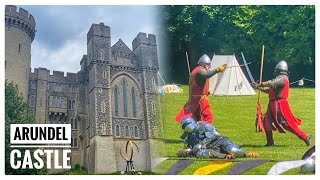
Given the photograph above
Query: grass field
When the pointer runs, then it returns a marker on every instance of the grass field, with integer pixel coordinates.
(235, 118)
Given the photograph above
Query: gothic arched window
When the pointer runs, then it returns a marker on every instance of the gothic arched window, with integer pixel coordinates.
(75, 142)
(74, 123)
(124, 92)
(134, 110)
(69, 104)
(136, 131)
(127, 130)
(116, 101)
(117, 130)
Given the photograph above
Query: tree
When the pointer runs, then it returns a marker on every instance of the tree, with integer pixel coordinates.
(16, 112)
(288, 33)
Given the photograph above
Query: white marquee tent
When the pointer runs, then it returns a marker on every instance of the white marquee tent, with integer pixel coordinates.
(232, 81)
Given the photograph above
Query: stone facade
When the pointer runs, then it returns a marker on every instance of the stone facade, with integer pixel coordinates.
(111, 100)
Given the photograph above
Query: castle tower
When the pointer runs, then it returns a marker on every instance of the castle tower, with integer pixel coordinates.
(19, 33)
(101, 150)
(145, 49)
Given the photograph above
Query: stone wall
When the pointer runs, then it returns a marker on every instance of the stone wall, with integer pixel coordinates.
(19, 33)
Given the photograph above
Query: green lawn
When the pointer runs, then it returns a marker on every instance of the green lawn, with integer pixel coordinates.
(235, 118)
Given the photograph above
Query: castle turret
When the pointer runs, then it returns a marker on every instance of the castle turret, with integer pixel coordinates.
(145, 49)
(19, 33)
(99, 104)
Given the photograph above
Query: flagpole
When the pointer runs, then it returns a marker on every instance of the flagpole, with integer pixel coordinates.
(259, 115)
(261, 69)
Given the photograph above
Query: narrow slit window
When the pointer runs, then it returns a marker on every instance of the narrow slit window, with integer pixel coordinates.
(136, 131)
(134, 109)
(124, 92)
(116, 101)
(117, 130)
(127, 130)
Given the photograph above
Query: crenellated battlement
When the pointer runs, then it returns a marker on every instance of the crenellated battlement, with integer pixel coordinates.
(98, 30)
(20, 19)
(143, 39)
(57, 76)
(84, 63)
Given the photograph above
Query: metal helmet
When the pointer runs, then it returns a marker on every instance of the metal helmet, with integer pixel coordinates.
(188, 124)
(208, 130)
(281, 68)
(204, 59)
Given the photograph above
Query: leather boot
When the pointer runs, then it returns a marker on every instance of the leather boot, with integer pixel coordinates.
(269, 138)
(308, 141)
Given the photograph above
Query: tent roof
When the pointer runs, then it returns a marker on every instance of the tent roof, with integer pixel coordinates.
(230, 82)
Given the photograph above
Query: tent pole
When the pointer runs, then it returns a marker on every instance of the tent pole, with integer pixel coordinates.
(237, 78)
(161, 78)
(188, 62)
(228, 62)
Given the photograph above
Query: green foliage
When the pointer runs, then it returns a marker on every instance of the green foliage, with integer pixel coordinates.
(16, 112)
(288, 32)
(77, 170)
(235, 118)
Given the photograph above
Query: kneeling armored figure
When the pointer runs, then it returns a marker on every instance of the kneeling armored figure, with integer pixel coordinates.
(204, 141)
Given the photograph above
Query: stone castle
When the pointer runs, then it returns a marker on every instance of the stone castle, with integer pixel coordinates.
(111, 100)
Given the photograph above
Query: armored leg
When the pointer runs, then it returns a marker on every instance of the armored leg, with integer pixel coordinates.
(186, 152)
(209, 153)
(298, 132)
(231, 148)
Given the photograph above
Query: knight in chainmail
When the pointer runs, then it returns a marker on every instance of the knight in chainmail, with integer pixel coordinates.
(279, 115)
(204, 141)
(198, 105)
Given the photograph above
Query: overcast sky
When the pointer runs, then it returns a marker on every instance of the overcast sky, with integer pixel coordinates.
(60, 40)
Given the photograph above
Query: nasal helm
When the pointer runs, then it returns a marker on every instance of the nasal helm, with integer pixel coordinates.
(281, 68)
(204, 59)
(188, 124)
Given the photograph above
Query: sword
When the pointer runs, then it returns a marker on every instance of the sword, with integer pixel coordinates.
(240, 65)
(248, 70)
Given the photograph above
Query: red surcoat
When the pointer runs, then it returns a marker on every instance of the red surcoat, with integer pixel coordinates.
(271, 119)
(198, 105)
